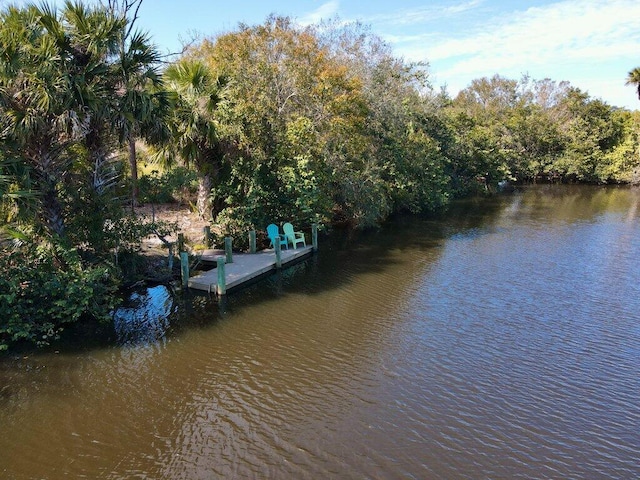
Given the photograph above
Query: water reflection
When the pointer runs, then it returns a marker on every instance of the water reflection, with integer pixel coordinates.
(144, 317)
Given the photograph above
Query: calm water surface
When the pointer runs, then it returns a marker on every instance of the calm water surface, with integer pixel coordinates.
(501, 340)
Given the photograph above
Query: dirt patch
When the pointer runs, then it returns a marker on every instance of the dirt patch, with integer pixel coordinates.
(181, 215)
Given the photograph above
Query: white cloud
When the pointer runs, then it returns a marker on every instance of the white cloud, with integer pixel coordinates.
(584, 36)
(323, 12)
(421, 14)
(571, 29)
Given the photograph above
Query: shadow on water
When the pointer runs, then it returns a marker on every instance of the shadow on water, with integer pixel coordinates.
(156, 314)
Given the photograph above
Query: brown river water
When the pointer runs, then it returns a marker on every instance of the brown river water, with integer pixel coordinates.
(500, 340)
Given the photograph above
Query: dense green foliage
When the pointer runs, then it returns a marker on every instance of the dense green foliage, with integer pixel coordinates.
(47, 289)
(67, 103)
(197, 95)
(530, 130)
(174, 185)
(320, 128)
(275, 122)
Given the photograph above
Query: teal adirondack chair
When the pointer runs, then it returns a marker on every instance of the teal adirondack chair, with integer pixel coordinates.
(273, 232)
(294, 237)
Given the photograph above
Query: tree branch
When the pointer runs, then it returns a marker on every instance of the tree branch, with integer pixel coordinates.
(124, 7)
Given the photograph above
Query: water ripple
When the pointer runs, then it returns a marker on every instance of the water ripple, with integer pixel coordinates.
(501, 344)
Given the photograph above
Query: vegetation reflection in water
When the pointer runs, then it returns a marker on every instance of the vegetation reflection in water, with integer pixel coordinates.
(497, 341)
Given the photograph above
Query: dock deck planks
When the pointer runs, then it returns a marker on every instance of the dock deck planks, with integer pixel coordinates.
(245, 267)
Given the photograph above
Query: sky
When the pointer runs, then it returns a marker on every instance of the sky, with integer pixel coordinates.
(593, 44)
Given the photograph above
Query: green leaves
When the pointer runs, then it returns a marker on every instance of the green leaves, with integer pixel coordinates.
(193, 125)
(530, 129)
(315, 123)
(46, 288)
(74, 86)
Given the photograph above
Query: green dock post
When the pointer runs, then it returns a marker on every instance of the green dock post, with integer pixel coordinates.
(180, 243)
(252, 241)
(184, 268)
(227, 249)
(207, 236)
(314, 236)
(278, 253)
(222, 279)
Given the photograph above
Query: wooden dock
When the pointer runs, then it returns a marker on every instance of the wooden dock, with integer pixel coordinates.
(246, 267)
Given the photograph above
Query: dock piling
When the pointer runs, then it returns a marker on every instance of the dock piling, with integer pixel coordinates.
(278, 250)
(207, 236)
(180, 243)
(314, 236)
(252, 241)
(184, 268)
(222, 280)
(227, 249)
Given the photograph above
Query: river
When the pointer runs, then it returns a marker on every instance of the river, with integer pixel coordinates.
(499, 340)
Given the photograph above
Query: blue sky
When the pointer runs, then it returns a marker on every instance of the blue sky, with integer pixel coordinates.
(591, 43)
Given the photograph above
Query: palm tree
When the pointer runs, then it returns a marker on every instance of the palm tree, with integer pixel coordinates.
(137, 104)
(194, 128)
(95, 34)
(59, 90)
(634, 79)
(12, 200)
(142, 101)
(40, 116)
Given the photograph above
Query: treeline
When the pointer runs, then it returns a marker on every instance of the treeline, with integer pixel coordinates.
(278, 122)
(325, 124)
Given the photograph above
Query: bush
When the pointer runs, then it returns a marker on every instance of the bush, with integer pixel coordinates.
(45, 288)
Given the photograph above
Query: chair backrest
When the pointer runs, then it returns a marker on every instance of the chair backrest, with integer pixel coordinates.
(272, 231)
(287, 228)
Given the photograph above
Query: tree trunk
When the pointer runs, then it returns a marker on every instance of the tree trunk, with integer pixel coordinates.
(133, 165)
(48, 173)
(204, 194)
(52, 213)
